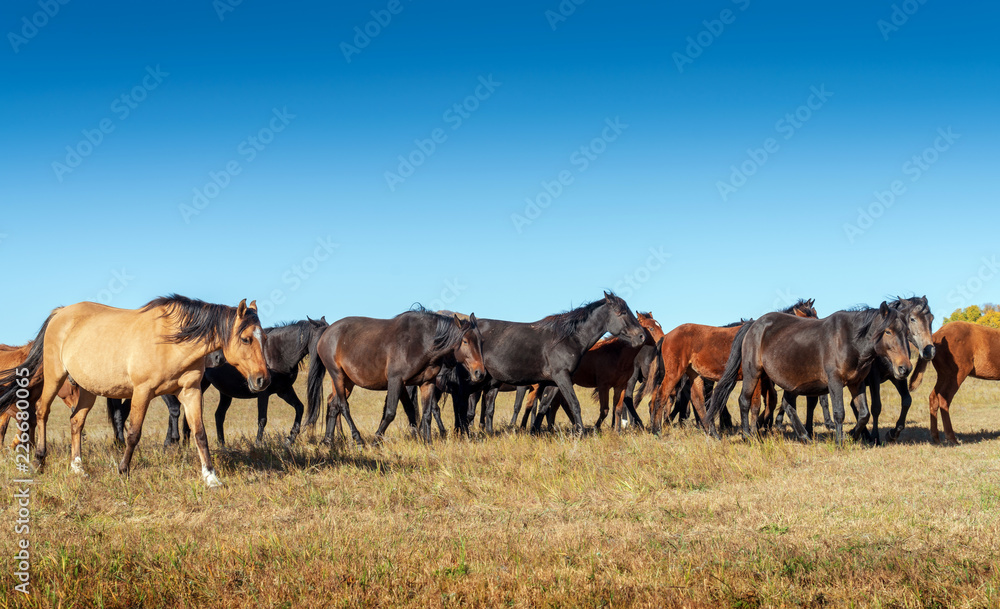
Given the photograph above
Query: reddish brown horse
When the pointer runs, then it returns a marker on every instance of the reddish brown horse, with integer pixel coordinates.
(700, 351)
(157, 350)
(387, 355)
(609, 366)
(961, 350)
(10, 357)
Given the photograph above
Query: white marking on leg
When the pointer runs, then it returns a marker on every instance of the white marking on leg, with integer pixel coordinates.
(211, 480)
(77, 467)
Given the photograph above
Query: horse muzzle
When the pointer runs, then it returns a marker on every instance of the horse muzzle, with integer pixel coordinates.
(259, 382)
(901, 372)
(477, 375)
(928, 352)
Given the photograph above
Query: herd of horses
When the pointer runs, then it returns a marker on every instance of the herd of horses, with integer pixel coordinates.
(176, 347)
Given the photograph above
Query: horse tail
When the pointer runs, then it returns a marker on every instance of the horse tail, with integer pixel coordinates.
(918, 374)
(33, 362)
(314, 386)
(728, 381)
(654, 378)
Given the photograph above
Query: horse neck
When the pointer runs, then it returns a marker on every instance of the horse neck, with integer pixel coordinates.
(866, 345)
(653, 333)
(593, 328)
(289, 348)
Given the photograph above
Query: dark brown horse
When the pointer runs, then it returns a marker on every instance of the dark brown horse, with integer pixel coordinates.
(387, 355)
(962, 350)
(699, 351)
(811, 357)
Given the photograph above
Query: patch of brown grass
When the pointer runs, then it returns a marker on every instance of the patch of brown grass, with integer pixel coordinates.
(521, 521)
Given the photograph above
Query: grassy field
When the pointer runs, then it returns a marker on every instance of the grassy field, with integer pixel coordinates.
(519, 521)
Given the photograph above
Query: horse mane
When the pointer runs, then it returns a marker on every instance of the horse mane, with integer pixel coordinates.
(868, 317)
(791, 310)
(198, 320)
(914, 304)
(447, 334)
(735, 324)
(566, 324)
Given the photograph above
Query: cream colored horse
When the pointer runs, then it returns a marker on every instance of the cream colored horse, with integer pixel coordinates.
(140, 354)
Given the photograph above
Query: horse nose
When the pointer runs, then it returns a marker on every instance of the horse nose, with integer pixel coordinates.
(929, 352)
(260, 383)
(903, 371)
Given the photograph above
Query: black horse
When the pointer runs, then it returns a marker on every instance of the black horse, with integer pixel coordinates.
(549, 350)
(811, 357)
(285, 348)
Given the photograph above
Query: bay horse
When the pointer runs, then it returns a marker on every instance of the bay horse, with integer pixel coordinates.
(10, 357)
(611, 366)
(285, 350)
(806, 356)
(916, 313)
(157, 350)
(962, 349)
(387, 355)
(696, 350)
(549, 350)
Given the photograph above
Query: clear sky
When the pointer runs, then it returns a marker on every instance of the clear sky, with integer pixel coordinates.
(508, 158)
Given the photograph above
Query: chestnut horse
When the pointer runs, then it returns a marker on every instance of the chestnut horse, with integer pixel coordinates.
(10, 357)
(811, 357)
(698, 351)
(387, 355)
(139, 354)
(962, 350)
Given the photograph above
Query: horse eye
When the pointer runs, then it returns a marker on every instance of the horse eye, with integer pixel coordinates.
(245, 340)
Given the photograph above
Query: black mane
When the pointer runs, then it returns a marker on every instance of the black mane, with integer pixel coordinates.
(565, 324)
(198, 320)
(868, 316)
(448, 334)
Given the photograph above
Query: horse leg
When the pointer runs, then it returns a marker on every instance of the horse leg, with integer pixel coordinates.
(874, 381)
(788, 405)
(54, 376)
(824, 403)
(811, 402)
(518, 402)
(77, 420)
(140, 403)
(408, 397)
(905, 400)
(602, 397)
(288, 394)
(225, 402)
(531, 409)
(618, 399)
(837, 397)
(191, 399)
(545, 403)
(394, 388)
(565, 384)
(489, 404)
(859, 402)
(173, 420)
(630, 403)
(262, 400)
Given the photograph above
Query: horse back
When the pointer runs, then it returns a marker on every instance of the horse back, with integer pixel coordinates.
(971, 348)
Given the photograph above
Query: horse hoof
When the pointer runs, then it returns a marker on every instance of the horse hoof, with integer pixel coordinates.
(211, 480)
(77, 467)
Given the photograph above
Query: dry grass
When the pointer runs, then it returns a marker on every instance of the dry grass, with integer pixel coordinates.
(521, 521)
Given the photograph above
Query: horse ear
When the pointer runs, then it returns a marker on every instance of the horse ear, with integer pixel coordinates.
(323, 319)
(884, 309)
(458, 320)
(606, 295)
(242, 308)
(253, 305)
(473, 320)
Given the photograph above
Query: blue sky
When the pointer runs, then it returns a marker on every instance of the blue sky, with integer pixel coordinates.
(704, 159)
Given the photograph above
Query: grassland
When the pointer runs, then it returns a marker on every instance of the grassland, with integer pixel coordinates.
(519, 521)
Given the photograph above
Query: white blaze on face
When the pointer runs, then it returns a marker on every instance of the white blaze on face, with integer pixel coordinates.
(258, 338)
